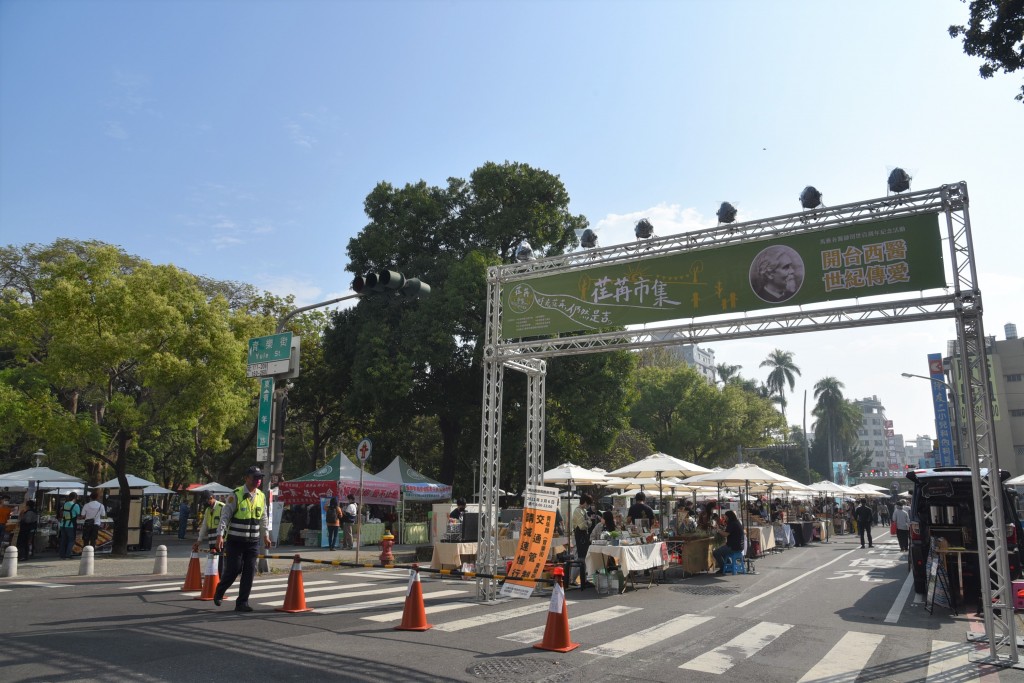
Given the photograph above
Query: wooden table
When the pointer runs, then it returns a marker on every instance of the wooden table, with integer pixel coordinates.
(694, 553)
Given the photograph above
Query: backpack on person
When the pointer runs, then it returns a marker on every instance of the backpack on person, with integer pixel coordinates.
(332, 515)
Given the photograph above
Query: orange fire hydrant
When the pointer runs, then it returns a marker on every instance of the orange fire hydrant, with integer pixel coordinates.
(387, 542)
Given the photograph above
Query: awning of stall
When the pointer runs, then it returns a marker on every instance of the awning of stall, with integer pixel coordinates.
(338, 478)
(415, 485)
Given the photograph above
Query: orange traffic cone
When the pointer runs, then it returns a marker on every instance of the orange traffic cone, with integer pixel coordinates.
(193, 578)
(414, 618)
(295, 596)
(211, 580)
(556, 632)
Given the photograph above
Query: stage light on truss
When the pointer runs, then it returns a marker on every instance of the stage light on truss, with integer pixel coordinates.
(810, 198)
(899, 180)
(644, 230)
(588, 240)
(726, 213)
(524, 253)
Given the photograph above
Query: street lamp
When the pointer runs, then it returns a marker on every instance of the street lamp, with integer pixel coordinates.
(39, 455)
(956, 407)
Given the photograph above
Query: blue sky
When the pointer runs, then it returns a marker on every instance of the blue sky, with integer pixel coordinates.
(239, 139)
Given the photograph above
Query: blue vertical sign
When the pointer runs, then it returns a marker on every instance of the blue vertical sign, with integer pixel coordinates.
(944, 431)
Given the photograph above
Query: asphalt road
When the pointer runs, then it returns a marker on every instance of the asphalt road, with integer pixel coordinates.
(827, 612)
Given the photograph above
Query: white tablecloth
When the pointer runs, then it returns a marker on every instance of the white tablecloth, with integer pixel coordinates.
(628, 557)
(450, 554)
(765, 535)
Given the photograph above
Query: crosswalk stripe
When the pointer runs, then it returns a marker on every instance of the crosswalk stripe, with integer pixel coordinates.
(491, 617)
(5, 590)
(429, 609)
(331, 586)
(39, 584)
(948, 661)
(845, 659)
(743, 646)
(647, 637)
(255, 586)
(143, 586)
(390, 575)
(370, 604)
(532, 635)
(340, 594)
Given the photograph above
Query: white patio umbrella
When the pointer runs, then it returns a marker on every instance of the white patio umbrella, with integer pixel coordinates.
(743, 474)
(659, 465)
(1016, 481)
(38, 474)
(870, 491)
(212, 487)
(572, 475)
(133, 482)
(156, 490)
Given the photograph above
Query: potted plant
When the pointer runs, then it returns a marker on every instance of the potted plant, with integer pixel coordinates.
(614, 536)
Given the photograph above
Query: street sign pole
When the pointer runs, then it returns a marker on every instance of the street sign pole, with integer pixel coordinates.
(363, 453)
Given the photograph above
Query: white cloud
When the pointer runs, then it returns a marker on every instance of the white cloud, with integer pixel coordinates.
(299, 136)
(667, 219)
(225, 241)
(115, 130)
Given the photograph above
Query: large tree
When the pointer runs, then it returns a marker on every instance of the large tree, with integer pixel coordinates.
(783, 372)
(423, 358)
(835, 427)
(112, 354)
(995, 32)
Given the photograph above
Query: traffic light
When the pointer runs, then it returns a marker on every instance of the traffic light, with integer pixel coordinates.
(390, 282)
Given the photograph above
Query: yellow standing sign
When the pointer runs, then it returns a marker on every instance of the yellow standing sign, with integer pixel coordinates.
(538, 527)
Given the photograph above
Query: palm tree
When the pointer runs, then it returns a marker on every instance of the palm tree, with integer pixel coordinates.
(828, 392)
(727, 372)
(783, 372)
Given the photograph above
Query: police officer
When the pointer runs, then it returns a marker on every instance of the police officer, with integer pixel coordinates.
(243, 521)
(209, 525)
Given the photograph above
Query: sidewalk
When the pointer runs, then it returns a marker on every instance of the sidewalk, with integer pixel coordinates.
(139, 564)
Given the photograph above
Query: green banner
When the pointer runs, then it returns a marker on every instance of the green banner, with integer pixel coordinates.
(866, 259)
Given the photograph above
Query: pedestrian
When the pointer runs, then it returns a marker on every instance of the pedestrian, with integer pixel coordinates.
(67, 531)
(298, 523)
(28, 522)
(243, 522)
(333, 518)
(902, 520)
(863, 513)
(92, 514)
(183, 519)
(208, 528)
(640, 511)
(348, 520)
(581, 535)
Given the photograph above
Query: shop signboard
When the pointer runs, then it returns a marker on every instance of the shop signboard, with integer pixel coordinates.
(866, 259)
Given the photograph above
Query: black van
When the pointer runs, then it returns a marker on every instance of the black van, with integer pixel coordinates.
(943, 506)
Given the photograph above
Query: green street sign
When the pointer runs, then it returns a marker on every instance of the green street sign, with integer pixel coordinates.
(266, 411)
(276, 347)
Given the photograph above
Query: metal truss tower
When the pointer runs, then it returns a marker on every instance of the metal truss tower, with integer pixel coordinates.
(963, 304)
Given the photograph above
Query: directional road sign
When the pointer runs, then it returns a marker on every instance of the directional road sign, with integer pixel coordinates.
(263, 421)
(270, 355)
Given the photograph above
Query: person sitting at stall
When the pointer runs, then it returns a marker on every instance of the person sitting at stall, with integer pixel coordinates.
(776, 510)
(733, 533)
(708, 519)
(640, 511)
(685, 523)
(459, 511)
(606, 523)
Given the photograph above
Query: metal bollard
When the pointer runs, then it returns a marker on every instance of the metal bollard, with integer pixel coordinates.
(9, 569)
(160, 565)
(85, 568)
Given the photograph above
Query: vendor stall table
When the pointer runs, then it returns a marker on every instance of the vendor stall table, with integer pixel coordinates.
(784, 535)
(452, 555)
(629, 558)
(764, 536)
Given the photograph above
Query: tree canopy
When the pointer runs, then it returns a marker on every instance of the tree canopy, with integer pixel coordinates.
(994, 32)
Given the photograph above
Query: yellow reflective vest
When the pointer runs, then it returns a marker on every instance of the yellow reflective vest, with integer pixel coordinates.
(245, 523)
(211, 518)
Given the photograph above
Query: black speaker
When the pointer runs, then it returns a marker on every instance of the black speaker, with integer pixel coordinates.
(470, 527)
